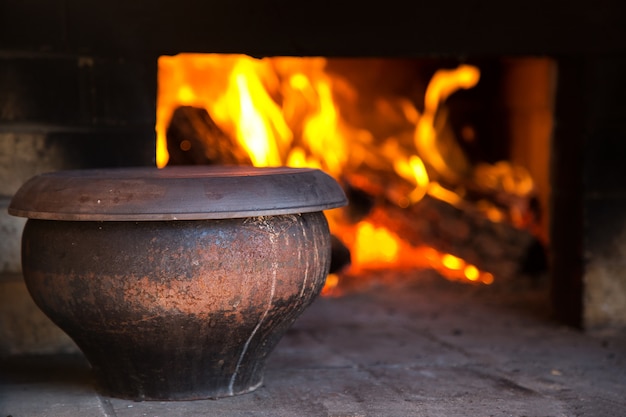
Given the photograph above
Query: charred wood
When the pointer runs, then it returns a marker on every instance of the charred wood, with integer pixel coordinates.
(496, 247)
(499, 247)
(193, 138)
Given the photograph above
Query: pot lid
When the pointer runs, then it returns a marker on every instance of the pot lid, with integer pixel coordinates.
(175, 193)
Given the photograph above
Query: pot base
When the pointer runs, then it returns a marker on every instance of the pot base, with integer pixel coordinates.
(174, 386)
(174, 374)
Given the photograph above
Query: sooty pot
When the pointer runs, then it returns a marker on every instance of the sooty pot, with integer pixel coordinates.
(176, 283)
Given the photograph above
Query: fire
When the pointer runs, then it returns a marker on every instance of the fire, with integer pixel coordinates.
(442, 84)
(376, 247)
(413, 170)
(285, 111)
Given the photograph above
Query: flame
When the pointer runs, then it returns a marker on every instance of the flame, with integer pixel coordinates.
(376, 247)
(442, 84)
(332, 281)
(285, 111)
(260, 124)
(413, 170)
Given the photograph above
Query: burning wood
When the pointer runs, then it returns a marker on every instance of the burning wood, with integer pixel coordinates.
(493, 239)
(193, 138)
(411, 179)
(463, 231)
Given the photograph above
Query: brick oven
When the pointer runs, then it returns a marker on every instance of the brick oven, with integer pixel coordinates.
(78, 89)
(78, 86)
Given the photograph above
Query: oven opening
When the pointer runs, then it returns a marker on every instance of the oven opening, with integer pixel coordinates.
(445, 162)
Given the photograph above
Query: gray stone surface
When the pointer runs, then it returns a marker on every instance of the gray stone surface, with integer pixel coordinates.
(420, 346)
(23, 155)
(24, 329)
(605, 279)
(10, 239)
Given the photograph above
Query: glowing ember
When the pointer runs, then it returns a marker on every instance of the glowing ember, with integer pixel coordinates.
(331, 284)
(285, 111)
(374, 246)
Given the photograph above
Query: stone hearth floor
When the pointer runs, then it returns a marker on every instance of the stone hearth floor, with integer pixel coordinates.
(417, 347)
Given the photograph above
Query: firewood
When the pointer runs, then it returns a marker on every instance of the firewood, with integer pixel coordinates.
(496, 247)
(193, 138)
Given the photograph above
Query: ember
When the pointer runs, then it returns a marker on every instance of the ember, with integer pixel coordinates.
(417, 201)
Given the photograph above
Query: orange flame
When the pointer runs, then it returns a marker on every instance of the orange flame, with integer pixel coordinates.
(442, 84)
(283, 111)
(376, 247)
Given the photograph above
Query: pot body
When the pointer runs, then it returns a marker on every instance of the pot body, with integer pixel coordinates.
(177, 310)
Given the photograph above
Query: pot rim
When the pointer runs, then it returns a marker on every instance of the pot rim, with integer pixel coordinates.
(196, 192)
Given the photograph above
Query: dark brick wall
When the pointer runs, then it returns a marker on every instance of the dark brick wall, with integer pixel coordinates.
(566, 217)
(338, 28)
(104, 108)
(588, 184)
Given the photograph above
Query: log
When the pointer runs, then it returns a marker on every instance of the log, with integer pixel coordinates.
(193, 138)
(496, 247)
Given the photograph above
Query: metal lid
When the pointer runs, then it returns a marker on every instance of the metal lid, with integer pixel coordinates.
(175, 193)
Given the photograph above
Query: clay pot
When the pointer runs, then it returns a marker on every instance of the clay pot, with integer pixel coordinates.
(170, 309)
